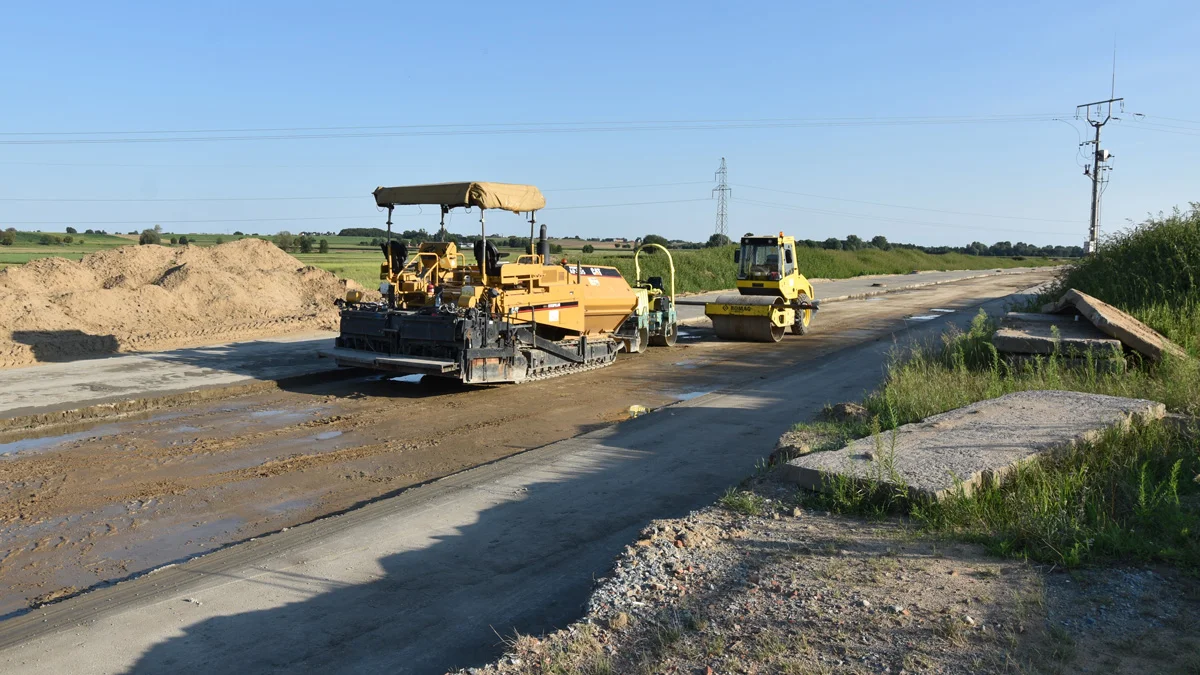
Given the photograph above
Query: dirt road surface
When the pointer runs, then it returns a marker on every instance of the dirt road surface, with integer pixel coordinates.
(32, 395)
(417, 581)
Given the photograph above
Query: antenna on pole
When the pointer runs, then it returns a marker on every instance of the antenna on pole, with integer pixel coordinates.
(722, 192)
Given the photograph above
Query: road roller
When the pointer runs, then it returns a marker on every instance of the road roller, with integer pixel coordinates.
(773, 296)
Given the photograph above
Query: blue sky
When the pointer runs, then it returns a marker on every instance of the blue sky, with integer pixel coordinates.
(160, 66)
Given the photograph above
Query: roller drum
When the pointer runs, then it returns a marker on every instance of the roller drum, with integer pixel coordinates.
(758, 328)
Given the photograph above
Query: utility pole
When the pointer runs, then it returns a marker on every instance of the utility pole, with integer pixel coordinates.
(722, 192)
(1098, 170)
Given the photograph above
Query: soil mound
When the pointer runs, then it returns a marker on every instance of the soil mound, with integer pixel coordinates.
(153, 297)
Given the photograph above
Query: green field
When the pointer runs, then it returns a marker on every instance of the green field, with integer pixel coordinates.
(696, 269)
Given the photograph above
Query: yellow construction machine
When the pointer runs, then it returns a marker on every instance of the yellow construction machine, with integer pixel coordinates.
(491, 322)
(772, 296)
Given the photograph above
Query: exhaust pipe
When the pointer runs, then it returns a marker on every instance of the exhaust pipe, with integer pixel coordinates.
(543, 245)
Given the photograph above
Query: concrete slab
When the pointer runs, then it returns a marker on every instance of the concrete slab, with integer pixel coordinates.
(1023, 333)
(65, 392)
(977, 443)
(1133, 333)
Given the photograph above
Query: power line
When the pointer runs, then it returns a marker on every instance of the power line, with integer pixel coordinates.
(279, 220)
(501, 125)
(179, 199)
(303, 198)
(911, 208)
(596, 128)
(605, 206)
(864, 216)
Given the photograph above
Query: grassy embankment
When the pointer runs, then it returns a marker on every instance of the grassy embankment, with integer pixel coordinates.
(713, 269)
(1133, 495)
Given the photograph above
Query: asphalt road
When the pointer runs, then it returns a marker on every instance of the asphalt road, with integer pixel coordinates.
(423, 581)
(691, 308)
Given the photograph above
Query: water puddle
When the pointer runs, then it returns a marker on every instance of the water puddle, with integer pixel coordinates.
(290, 505)
(685, 334)
(407, 378)
(923, 317)
(942, 311)
(327, 435)
(687, 396)
(186, 429)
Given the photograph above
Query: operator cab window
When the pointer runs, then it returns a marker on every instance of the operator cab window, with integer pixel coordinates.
(759, 260)
(789, 259)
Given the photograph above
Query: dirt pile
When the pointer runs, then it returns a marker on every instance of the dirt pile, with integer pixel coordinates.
(154, 297)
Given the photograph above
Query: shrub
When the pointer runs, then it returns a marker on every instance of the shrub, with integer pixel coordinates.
(588, 248)
(306, 244)
(285, 240)
(323, 246)
(656, 239)
(71, 230)
(149, 237)
(49, 239)
(183, 241)
(8, 237)
(68, 239)
(174, 240)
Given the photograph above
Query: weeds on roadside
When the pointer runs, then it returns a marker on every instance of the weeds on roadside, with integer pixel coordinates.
(1129, 495)
(742, 501)
(1133, 494)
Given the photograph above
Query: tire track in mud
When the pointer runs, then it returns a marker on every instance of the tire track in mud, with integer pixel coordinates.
(43, 477)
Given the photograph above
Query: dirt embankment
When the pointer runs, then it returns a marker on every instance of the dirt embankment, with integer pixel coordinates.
(154, 297)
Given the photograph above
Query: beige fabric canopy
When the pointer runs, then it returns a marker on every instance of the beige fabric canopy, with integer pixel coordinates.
(507, 196)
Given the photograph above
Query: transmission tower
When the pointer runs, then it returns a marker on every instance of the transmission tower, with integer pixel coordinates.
(722, 191)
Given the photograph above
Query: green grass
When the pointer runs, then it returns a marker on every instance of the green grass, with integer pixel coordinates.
(742, 501)
(713, 268)
(1151, 271)
(696, 270)
(1132, 495)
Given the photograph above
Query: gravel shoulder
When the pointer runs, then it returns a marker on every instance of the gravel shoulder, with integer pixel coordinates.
(796, 591)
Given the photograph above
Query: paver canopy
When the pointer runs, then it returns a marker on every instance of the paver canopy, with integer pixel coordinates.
(506, 196)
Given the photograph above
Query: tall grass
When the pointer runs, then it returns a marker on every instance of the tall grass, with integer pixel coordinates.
(1130, 495)
(1133, 494)
(964, 367)
(1151, 271)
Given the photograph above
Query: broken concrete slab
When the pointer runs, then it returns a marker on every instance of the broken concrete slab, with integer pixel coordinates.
(1133, 333)
(1023, 333)
(974, 444)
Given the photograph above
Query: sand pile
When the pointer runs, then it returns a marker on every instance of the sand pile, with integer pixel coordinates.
(153, 297)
